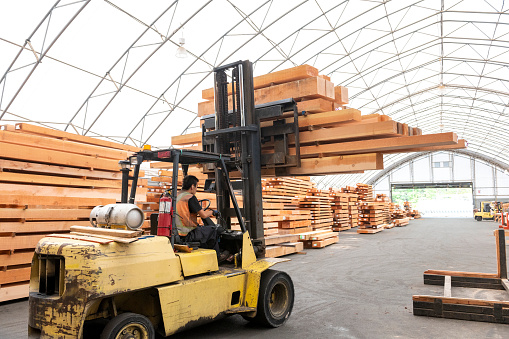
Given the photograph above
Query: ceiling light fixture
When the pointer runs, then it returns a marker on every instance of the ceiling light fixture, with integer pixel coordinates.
(181, 51)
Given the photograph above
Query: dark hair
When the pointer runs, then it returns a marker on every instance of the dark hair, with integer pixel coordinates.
(189, 180)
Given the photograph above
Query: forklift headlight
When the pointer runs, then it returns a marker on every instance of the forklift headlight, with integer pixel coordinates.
(133, 161)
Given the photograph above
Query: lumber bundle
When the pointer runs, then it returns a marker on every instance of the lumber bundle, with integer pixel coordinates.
(318, 238)
(49, 181)
(344, 209)
(371, 215)
(411, 212)
(279, 245)
(281, 205)
(334, 138)
(318, 202)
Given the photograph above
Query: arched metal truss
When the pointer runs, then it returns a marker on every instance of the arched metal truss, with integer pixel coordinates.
(436, 65)
(382, 174)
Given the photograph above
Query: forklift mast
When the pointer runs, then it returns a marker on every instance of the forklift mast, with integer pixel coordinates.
(234, 130)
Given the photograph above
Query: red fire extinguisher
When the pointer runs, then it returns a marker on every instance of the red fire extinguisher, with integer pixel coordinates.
(165, 215)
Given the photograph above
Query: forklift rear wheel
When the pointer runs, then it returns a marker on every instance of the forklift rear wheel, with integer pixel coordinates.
(275, 298)
(127, 326)
(478, 218)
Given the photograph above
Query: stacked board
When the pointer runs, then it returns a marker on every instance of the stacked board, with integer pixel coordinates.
(371, 217)
(318, 238)
(281, 204)
(279, 245)
(49, 181)
(318, 202)
(334, 139)
(341, 209)
(353, 204)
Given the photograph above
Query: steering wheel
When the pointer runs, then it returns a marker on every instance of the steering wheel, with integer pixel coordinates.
(200, 202)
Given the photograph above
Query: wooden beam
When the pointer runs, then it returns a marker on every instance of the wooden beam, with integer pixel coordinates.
(107, 232)
(274, 78)
(59, 181)
(316, 106)
(75, 137)
(38, 141)
(44, 213)
(61, 170)
(341, 95)
(26, 153)
(338, 164)
(186, 139)
(377, 129)
(462, 274)
(19, 242)
(460, 301)
(23, 200)
(40, 226)
(328, 118)
(15, 275)
(380, 145)
(462, 143)
(111, 194)
(311, 88)
(16, 258)
(13, 292)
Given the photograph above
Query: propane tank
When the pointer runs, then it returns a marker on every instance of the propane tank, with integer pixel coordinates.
(128, 215)
(165, 215)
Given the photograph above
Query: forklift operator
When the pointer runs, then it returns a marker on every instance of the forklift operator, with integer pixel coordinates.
(188, 209)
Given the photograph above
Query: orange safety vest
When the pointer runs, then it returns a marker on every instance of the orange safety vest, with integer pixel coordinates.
(186, 221)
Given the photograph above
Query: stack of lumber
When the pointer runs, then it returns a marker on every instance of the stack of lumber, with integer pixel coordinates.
(401, 221)
(371, 217)
(386, 214)
(283, 244)
(396, 211)
(340, 210)
(49, 181)
(281, 204)
(365, 192)
(318, 203)
(318, 239)
(411, 212)
(334, 139)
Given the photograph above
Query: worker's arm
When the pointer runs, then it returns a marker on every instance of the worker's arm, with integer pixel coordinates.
(195, 207)
(205, 213)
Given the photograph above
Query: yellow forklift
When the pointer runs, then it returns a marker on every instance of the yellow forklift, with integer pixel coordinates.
(487, 211)
(111, 281)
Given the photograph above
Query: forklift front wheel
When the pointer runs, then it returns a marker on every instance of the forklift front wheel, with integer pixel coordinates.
(478, 218)
(128, 325)
(275, 298)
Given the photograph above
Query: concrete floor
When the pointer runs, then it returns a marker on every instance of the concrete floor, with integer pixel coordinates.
(362, 287)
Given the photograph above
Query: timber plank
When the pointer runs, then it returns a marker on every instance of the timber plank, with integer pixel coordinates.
(315, 106)
(13, 292)
(14, 275)
(380, 145)
(16, 258)
(338, 164)
(186, 139)
(38, 141)
(274, 78)
(313, 88)
(19, 242)
(40, 226)
(75, 137)
(22, 200)
(44, 213)
(341, 95)
(111, 194)
(370, 130)
(107, 232)
(61, 170)
(59, 181)
(26, 153)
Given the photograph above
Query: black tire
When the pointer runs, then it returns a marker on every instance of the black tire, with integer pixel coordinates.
(478, 218)
(128, 322)
(275, 299)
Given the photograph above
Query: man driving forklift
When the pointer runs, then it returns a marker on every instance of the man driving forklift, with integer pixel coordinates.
(188, 209)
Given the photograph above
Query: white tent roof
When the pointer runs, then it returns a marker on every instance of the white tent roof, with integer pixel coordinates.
(108, 68)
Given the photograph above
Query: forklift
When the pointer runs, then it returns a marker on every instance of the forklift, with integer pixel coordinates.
(114, 278)
(487, 211)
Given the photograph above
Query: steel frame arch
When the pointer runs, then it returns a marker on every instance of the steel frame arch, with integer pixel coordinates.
(43, 54)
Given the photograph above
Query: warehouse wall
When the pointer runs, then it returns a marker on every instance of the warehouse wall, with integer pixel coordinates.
(490, 180)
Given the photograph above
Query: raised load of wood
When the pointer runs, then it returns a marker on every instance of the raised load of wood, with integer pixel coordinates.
(333, 138)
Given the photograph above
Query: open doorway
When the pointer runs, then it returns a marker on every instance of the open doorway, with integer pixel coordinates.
(451, 200)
